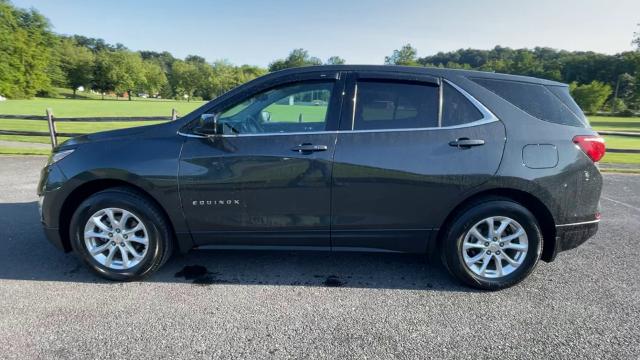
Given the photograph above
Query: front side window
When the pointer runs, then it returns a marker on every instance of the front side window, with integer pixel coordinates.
(395, 105)
(299, 107)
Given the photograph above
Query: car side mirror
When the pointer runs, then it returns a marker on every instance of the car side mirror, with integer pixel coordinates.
(266, 116)
(208, 125)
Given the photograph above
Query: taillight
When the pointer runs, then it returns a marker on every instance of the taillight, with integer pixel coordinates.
(592, 145)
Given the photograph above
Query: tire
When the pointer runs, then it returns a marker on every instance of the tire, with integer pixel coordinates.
(122, 239)
(462, 245)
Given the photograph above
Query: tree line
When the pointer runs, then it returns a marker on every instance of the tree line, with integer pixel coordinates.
(35, 61)
(598, 81)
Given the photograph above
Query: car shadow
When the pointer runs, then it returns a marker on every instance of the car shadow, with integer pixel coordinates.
(27, 255)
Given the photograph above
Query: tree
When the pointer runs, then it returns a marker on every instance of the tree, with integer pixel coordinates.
(104, 75)
(335, 60)
(118, 71)
(591, 96)
(97, 45)
(76, 63)
(154, 77)
(26, 51)
(407, 55)
(187, 78)
(636, 39)
(225, 76)
(296, 58)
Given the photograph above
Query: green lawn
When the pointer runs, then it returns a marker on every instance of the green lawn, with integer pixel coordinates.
(7, 150)
(96, 108)
(84, 108)
(615, 123)
(622, 142)
(619, 158)
(291, 113)
(90, 108)
(71, 108)
(600, 123)
(72, 127)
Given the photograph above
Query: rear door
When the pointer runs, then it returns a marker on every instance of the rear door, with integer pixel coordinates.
(410, 147)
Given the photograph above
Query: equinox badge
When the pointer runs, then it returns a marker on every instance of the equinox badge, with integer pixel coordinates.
(215, 202)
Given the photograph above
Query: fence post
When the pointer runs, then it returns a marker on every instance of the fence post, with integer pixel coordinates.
(52, 128)
(174, 115)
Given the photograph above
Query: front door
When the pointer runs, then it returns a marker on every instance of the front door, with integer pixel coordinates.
(265, 179)
(407, 153)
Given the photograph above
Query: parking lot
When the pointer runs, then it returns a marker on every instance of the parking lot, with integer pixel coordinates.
(296, 305)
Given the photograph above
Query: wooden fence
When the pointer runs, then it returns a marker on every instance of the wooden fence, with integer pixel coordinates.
(51, 120)
(53, 134)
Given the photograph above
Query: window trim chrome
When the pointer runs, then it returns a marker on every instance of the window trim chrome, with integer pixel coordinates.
(487, 117)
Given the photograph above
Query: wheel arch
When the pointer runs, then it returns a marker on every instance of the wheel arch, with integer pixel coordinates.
(537, 207)
(82, 192)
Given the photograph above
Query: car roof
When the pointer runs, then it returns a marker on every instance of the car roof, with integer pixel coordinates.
(433, 71)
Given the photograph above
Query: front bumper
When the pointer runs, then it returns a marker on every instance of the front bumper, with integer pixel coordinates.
(570, 236)
(53, 235)
(49, 203)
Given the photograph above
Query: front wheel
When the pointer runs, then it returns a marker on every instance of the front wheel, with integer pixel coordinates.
(492, 245)
(120, 234)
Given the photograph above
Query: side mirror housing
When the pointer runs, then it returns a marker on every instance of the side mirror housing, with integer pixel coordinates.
(208, 125)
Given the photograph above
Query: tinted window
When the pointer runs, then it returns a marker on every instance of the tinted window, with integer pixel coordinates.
(393, 105)
(536, 100)
(456, 109)
(300, 107)
(562, 92)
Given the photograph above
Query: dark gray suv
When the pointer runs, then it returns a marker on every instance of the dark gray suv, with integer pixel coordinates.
(490, 172)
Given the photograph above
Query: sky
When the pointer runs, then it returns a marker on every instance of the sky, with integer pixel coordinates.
(362, 32)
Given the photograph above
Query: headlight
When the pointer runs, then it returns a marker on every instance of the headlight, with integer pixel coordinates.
(57, 156)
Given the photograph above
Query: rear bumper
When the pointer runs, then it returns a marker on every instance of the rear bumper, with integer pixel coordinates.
(570, 236)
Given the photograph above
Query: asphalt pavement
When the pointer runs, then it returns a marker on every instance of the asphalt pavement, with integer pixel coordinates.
(226, 304)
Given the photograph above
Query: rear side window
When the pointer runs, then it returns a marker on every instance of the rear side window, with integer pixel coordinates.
(395, 105)
(456, 109)
(535, 99)
(562, 92)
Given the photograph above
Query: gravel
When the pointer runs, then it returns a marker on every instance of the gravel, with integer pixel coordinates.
(227, 304)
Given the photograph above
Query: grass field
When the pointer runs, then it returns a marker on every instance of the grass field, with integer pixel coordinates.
(617, 158)
(74, 127)
(622, 142)
(603, 123)
(94, 108)
(615, 123)
(290, 113)
(153, 107)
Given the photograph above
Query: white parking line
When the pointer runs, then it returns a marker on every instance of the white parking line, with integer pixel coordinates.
(621, 203)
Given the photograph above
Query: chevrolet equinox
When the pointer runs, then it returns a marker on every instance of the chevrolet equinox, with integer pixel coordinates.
(489, 172)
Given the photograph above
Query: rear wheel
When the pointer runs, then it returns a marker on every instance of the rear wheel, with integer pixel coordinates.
(492, 245)
(120, 234)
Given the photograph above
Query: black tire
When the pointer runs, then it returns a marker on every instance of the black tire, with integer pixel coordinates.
(160, 238)
(454, 235)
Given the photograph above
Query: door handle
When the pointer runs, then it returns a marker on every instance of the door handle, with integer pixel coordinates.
(465, 143)
(303, 148)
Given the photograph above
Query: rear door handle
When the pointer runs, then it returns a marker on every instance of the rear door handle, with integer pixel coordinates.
(303, 148)
(466, 142)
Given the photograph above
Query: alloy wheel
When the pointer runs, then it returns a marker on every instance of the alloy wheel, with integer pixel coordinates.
(495, 247)
(116, 238)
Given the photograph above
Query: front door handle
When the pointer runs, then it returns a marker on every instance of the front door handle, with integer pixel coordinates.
(466, 143)
(306, 148)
